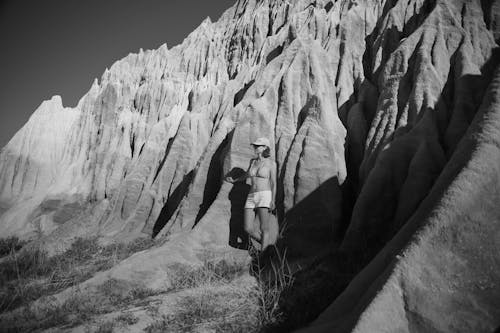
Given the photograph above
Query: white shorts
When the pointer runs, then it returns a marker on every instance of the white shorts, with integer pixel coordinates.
(259, 199)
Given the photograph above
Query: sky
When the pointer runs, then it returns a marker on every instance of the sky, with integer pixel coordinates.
(58, 47)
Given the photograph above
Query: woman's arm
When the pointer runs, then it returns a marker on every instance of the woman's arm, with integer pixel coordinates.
(243, 176)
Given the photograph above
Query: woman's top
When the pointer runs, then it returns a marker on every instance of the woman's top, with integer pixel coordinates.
(259, 175)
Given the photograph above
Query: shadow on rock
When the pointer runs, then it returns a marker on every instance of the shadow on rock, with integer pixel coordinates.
(238, 238)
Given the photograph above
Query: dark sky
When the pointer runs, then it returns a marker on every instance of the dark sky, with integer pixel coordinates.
(58, 47)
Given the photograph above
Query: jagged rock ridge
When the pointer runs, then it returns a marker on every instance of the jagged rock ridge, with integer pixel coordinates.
(365, 103)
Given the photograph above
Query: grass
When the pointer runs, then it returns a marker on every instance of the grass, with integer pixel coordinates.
(271, 286)
(76, 310)
(106, 327)
(211, 272)
(10, 245)
(119, 293)
(221, 306)
(222, 310)
(27, 276)
(214, 298)
(126, 319)
(80, 308)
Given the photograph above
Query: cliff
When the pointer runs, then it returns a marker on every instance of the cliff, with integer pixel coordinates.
(382, 120)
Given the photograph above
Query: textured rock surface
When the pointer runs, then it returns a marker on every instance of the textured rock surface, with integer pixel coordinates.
(440, 272)
(365, 104)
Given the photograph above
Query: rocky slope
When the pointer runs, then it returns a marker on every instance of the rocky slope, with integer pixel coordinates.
(368, 106)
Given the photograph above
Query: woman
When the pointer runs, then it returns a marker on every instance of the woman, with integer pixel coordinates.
(260, 200)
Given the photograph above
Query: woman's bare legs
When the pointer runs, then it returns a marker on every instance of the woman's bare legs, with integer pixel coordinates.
(249, 225)
(263, 213)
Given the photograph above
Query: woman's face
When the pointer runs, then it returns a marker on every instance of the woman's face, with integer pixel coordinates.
(258, 149)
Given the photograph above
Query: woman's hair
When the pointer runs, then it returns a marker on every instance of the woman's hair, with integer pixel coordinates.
(266, 152)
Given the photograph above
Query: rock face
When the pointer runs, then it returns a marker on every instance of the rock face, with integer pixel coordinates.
(439, 273)
(368, 106)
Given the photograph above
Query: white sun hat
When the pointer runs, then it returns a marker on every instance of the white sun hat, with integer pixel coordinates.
(262, 142)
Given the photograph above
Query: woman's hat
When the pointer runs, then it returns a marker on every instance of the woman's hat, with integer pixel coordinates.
(262, 142)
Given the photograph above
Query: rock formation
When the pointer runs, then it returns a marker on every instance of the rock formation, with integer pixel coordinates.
(439, 273)
(382, 118)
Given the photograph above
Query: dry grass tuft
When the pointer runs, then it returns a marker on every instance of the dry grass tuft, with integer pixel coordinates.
(224, 309)
(271, 285)
(79, 309)
(215, 297)
(210, 273)
(221, 306)
(119, 293)
(10, 245)
(31, 274)
(126, 319)
(76, 310)
(106, 327)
